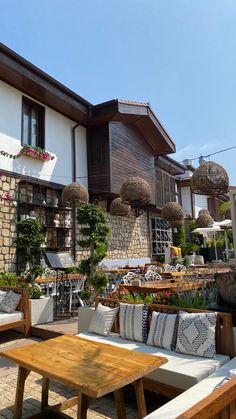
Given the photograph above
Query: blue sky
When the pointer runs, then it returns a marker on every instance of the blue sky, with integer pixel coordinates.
(178, 55)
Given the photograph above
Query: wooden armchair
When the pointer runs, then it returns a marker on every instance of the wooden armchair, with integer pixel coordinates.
(23, 306)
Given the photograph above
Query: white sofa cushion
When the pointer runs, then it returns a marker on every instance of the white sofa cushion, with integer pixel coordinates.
(182, 371)
(102, 320)
(189, 398)
(6, 318)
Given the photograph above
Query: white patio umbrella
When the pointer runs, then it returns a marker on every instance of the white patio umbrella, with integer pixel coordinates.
(205, 230)
(217, 226)
(225, 225)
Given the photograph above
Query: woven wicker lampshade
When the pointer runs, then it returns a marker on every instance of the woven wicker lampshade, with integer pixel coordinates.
(228, 214)
(176, 223)
(75, 193)
(204, 220)
(210, 179)
(119, 208)
(203, 211)
(135, 191)
(172, 211)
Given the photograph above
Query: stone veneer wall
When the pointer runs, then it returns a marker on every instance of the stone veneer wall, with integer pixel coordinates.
(129, 237)
(8, 219)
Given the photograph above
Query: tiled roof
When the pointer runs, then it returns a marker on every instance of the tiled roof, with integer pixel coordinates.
(132, 102)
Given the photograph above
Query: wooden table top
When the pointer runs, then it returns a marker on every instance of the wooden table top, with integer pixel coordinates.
(66, 277)
(161, 285)
(93, 368)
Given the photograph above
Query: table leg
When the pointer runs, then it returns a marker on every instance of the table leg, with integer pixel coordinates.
(22, 375)
(83, 405)
(120, 404)
(140, 398)
(45, 388)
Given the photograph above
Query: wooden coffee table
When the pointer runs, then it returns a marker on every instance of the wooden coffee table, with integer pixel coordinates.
(93, 369)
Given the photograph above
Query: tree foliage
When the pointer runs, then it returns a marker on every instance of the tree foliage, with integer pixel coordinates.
(95, 237)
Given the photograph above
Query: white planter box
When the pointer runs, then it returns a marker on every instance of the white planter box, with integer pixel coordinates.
(41, 310)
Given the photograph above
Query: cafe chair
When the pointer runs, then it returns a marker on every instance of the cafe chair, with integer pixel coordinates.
(76, 286)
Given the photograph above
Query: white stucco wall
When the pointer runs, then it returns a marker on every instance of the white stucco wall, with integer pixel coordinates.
(58, 141)
(200, 203)
(186, 200)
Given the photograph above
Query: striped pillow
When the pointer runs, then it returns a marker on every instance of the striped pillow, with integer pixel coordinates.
(133, 321)
(163, 330)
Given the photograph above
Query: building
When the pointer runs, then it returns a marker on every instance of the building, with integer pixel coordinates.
(99, 146)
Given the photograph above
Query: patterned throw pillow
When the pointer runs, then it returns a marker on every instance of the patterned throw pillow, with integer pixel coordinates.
(196, 334)
(2, 295)
(10, 302)
(133, 321)
(163, 330)
(102, 320)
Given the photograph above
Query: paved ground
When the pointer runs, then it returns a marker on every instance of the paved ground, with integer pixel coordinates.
(100, 408)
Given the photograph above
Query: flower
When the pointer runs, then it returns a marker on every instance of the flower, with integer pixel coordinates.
(35, 152)
(6, 196)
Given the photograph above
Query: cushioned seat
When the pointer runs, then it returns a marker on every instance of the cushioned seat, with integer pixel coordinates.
(182, 371)
(184, 401)
(6, 318)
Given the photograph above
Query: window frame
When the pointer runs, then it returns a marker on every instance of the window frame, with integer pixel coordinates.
(41, 120)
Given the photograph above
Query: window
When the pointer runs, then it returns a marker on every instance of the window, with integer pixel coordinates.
(161, 236)
(165, 188)
(32, 123)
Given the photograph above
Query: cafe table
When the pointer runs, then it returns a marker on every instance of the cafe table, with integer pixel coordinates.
(93, 369)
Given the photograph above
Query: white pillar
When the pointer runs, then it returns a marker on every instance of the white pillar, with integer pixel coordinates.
(232, 195)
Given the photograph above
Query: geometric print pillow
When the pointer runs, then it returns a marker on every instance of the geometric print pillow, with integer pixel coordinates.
(10, 302)
(196, 334)
(162, 331)
(133, 321)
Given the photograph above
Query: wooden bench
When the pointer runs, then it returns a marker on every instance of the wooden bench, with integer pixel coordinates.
(224, 339)
(220, 404)
(23, 307)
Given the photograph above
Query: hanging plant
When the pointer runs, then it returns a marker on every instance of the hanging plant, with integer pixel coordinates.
(210, 179)
(135, 191)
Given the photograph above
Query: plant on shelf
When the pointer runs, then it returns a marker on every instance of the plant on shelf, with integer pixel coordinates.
(35, 152)
(93, 228)
(29, 242)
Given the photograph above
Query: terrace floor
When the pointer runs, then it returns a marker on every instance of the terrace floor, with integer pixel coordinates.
(99, 408)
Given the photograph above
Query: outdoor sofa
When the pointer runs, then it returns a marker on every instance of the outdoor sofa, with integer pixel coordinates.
(19, 317)
(185, 379)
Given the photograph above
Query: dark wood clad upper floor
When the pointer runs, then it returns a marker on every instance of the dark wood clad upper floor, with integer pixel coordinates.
(130, 155)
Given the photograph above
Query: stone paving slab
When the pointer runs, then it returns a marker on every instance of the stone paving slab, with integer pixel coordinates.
(103, 407)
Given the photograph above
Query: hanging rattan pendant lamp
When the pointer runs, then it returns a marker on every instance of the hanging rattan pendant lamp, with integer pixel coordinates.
(135, 191)
(172, 212)
(210, 178)
(204, 220)
(75, 193)
(119, 208)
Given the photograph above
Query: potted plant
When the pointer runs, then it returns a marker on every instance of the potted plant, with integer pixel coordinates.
(35, 152)
(30, 243)
(95, 238)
